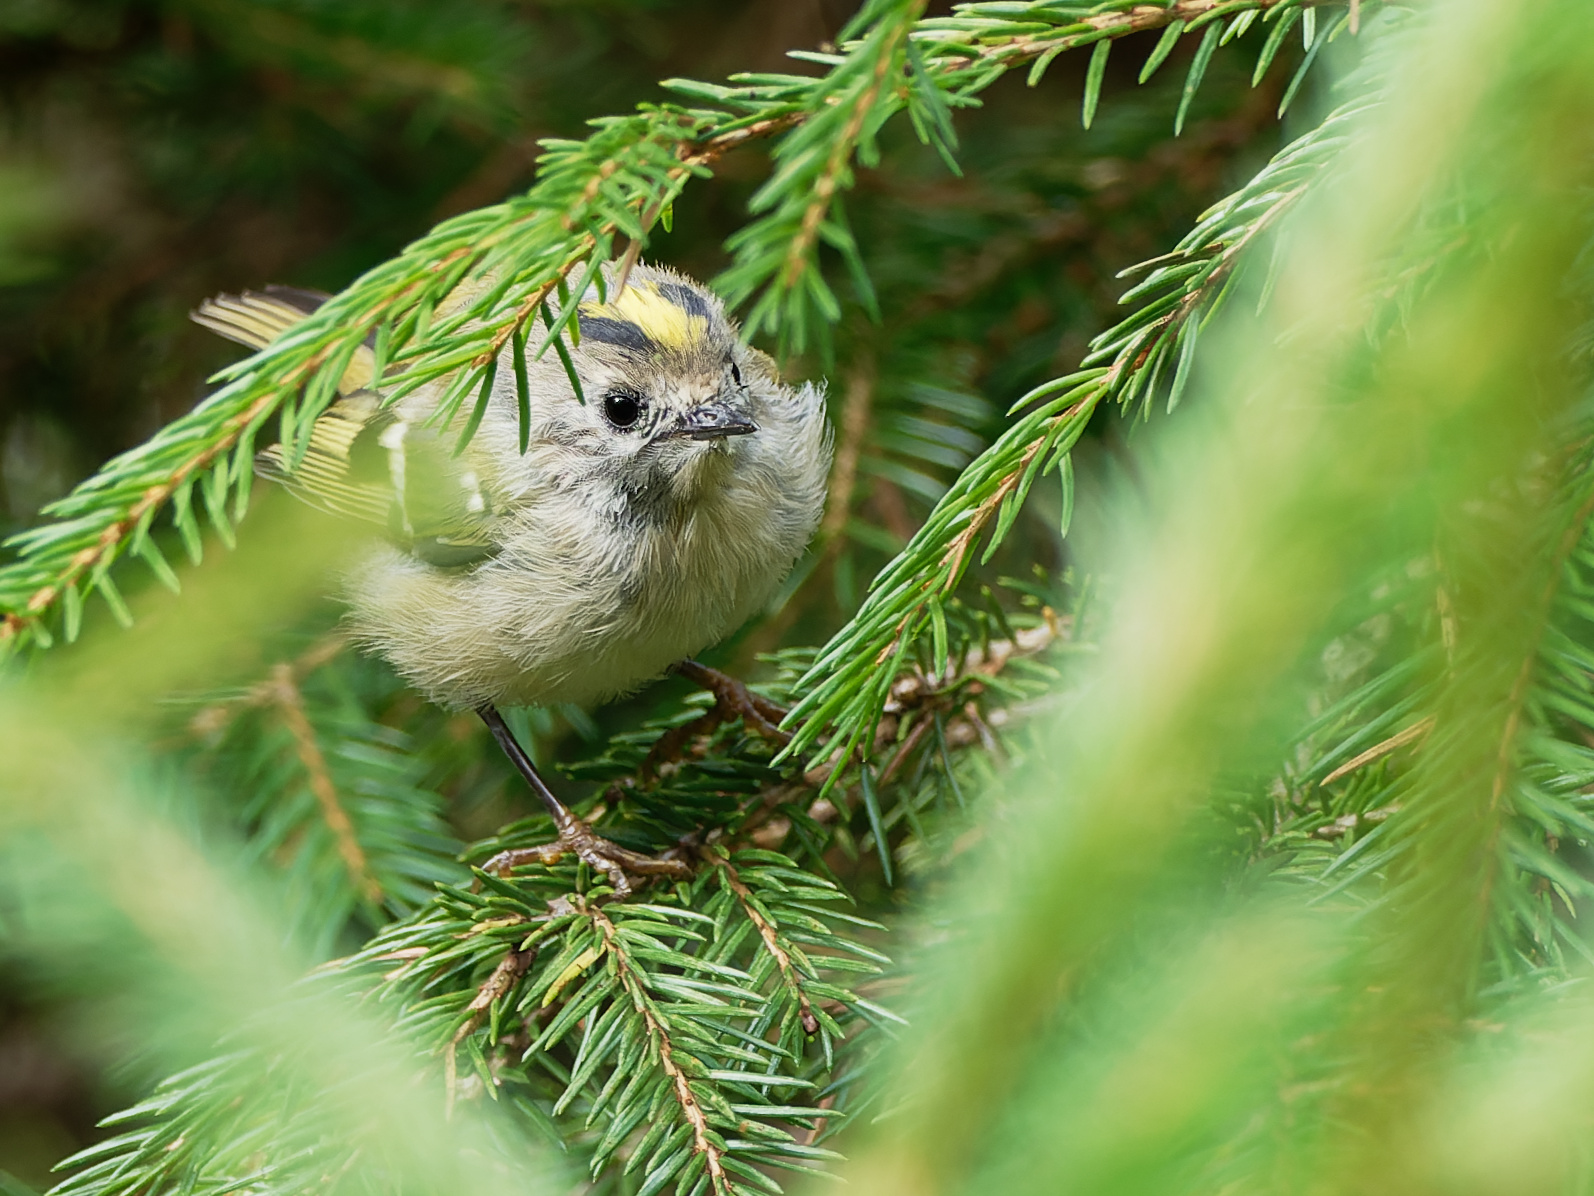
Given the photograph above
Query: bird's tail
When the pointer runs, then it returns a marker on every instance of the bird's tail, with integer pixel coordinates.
(257, 318)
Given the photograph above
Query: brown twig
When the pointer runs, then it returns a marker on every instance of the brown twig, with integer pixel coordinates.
(708, 149)
(290, 705)
(766, 931)
(915, 693)
(504, 977)
(818, 1127)
(212, 719)
(1400, 739)
(856, 406)
(905, 749)
(671, 747)
(732, 700)
(659, 1039)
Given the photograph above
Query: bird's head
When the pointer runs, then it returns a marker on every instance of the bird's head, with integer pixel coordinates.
(672, 396)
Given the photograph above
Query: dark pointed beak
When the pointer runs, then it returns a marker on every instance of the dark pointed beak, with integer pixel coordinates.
(710, 422)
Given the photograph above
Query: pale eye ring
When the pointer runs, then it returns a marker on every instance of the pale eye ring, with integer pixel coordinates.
(622, 409)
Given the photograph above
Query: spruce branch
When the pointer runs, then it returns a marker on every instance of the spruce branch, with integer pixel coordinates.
(633, 1004)
(290, 707)
(707, 1146)
(333, 800)
(1149, 353)
(444, 309)
(774, 255)
(1540, 754)
(772, 944)
(1356, 789)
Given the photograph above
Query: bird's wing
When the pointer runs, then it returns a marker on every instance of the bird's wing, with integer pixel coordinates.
(256, 318)
(362, 460)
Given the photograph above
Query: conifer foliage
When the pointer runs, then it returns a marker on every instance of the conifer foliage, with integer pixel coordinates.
(1241, 845)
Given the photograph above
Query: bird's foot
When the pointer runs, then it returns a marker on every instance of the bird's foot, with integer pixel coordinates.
(576, 838)
(732, 701)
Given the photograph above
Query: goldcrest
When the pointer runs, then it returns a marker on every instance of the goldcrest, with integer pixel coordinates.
(636, 528)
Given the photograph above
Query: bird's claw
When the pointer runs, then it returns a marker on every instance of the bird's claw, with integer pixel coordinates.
(576, 838)
(732, 699)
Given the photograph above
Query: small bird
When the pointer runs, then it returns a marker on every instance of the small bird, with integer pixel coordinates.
(644, 519)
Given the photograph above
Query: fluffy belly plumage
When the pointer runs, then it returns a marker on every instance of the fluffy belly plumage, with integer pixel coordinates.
(509, 636)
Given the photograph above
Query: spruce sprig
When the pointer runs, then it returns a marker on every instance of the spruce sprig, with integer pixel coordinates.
(444, 309)
(1149, 354)
(682, 1038)
(1349, 815)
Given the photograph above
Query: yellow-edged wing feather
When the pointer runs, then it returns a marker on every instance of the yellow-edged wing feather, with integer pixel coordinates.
(256, 318)
(362, 461)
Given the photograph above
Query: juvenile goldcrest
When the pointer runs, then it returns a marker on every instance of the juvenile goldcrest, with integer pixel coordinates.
(636, 528)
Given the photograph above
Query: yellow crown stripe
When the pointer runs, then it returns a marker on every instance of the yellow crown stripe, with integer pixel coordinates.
(660, 320)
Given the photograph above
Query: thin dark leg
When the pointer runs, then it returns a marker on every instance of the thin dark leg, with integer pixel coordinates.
(574, 834)
(562, 818)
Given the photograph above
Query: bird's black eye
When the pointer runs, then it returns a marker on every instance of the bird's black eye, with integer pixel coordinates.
(736, 374)
(622, 409)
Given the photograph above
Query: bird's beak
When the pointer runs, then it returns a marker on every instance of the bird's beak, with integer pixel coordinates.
(711, 421)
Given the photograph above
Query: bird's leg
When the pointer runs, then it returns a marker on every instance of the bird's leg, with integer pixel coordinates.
(575, 836)
(732, 699)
